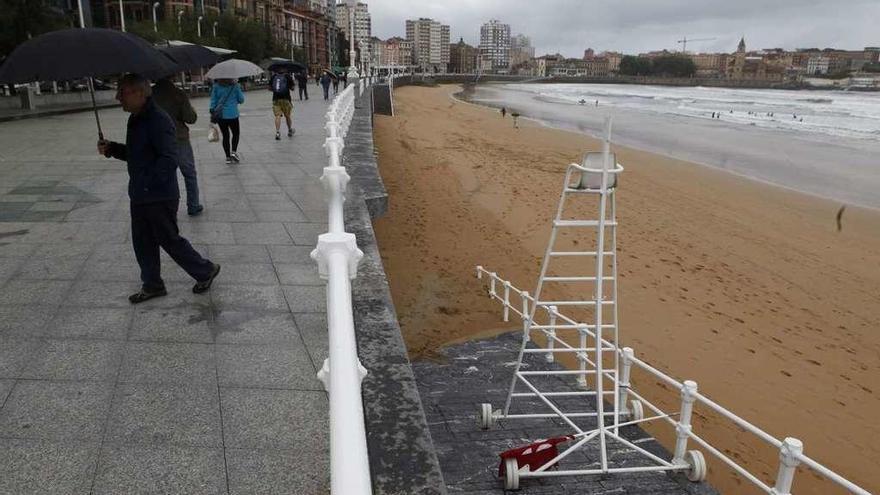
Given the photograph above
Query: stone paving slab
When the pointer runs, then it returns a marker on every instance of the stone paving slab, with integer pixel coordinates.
(471, 373)
(212, 393)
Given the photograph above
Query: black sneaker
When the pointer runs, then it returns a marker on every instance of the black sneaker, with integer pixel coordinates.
(277, 136)
(196, 211)
(229, 160)
(204, 285)
(235, 157)
(290, 132)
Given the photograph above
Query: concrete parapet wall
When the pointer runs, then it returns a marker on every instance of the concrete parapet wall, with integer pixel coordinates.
(402, 455)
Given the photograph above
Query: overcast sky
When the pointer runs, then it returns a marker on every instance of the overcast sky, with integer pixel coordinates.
(632, 26)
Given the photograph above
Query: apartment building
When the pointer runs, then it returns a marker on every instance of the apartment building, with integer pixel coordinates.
(495, 43)
(463, 58)
(430, 40)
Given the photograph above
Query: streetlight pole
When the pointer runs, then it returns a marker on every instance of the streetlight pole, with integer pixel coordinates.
(122, 15)
(82, 18)
(352, 70)
(155, 21)
(199, 24)
(179, 15)
(214, 28)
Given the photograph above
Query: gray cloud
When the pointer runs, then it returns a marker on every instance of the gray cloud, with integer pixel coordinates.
(631, 26)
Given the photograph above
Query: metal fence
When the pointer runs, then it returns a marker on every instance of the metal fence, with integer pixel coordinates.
(337, 256)
(791, 450)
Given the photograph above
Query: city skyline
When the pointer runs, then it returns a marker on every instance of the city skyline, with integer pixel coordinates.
(643, 25)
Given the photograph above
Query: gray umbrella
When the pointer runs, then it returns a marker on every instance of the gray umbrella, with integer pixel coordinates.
(234, 69)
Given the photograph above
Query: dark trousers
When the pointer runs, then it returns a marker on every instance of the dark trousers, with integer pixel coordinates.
(303, 90)
(154, 225)
(326, 91)
(227, 125)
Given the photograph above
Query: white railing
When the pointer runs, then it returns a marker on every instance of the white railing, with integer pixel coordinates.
(791, 450)
(337, 256)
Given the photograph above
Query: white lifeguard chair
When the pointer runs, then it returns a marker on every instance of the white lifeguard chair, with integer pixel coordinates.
(576, 297)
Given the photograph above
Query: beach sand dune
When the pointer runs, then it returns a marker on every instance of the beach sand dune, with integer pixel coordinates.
(746, 288)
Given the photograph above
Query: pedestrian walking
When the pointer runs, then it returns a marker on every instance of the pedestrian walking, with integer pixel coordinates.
(282, 105)
(150, 150)
(336, 84)
(226, 96)
(302, 83)
(325, 83)
(344, 77)
(176, 104)
(503, 112)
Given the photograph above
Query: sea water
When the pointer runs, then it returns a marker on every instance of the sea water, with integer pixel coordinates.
(851, 114)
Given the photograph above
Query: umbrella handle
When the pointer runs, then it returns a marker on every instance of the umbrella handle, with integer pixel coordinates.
(95, 108)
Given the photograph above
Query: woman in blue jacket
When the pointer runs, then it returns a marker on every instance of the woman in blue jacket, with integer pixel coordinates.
(227, 95)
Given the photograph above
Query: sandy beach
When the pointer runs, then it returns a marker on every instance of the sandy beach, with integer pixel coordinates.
(747, 288)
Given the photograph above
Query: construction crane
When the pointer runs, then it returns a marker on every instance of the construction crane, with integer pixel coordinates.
(684, 42)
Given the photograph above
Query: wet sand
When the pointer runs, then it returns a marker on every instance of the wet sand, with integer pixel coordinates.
(843, 168)
(747, 288)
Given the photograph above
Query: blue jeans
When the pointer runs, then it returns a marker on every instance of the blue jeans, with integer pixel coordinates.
(188, 170)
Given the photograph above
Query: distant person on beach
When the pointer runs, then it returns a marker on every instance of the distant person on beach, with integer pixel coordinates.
(150, 151)
(282, 104)
(325, 83)
(302, 83)
(597, 103)
(176, 104)
(503, 112)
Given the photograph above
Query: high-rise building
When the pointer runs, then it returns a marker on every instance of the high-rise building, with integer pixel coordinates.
(521, 50)
(363, 29)
(430, 41)
(463, 58)
(495, 45)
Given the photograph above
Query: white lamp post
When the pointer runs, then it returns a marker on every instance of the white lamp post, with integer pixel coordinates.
(199, 26)
(179, 16)
(352, 70)
(214, 28)
(155, 21)
(82, 18)
(122, 16)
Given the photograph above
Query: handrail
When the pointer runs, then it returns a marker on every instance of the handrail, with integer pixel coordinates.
(791, 453)
(337, 256)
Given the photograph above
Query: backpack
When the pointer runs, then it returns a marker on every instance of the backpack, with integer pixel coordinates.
(279, 84)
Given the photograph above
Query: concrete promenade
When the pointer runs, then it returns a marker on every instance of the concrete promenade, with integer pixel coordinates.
(212, 393)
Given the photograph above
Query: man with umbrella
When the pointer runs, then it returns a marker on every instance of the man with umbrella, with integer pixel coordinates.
(151, 153)
(150, 149)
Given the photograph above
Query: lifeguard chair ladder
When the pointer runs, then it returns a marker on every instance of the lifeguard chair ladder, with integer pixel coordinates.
(597, 352)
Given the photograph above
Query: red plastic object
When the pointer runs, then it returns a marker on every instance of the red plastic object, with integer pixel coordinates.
(534, 454)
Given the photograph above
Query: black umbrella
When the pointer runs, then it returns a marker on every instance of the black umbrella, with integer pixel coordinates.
(190, 57)
(77, 53)
(287, 65)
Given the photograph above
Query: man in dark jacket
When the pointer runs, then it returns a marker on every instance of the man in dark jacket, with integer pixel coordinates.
(176, 104)
(150, 150)
(302, 82)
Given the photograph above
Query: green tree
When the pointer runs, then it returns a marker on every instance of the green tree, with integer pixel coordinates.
(24, 19)
(677, 65)
(636, 66)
